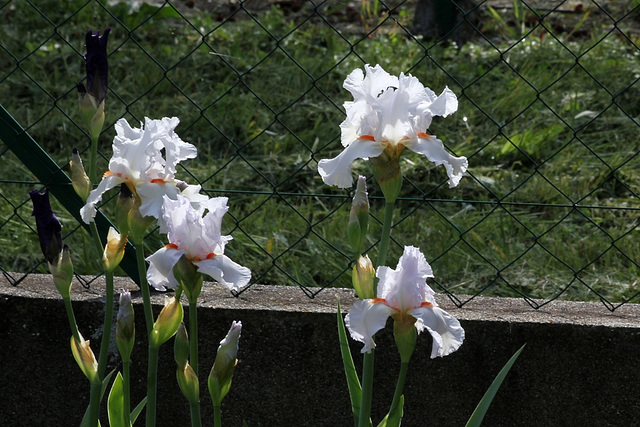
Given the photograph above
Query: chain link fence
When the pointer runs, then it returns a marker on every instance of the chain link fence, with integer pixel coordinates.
(548, 119)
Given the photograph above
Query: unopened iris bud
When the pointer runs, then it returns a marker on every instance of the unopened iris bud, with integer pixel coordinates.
(97, 67)
(386, 169)
(219, 381)
(113, 250)
(359, 217)
(125, 326)
(189, 384)
(85, 359)
(47, 225)
(405, 334)
(92, 111)
(138, 224)
(181, 347)
(62, 272)
(79, 178)
(188, 276)
(125, 203)
(167, 323)
(363, 278)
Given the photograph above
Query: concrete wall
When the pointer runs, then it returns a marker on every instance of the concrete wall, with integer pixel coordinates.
(581, 366)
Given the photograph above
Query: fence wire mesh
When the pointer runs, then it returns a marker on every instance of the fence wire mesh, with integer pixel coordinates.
(548, 118)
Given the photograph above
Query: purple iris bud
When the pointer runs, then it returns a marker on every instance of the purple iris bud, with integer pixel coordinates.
(97, 65)
(47, 224)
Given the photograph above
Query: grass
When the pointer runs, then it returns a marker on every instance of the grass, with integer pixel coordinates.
(548, 120)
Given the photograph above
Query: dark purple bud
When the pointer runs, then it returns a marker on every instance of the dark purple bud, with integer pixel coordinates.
(97, 65)
(47, 224)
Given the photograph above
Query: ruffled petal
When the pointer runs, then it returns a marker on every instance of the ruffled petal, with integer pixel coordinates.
(88, 211)
(446, 103)
(225, 271)
(445, 329)
(176, 149)
(365, 318)
(434, 150)
(160, 272)
(337, 171)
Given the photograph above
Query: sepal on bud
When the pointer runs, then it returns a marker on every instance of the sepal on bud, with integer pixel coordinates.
(167, 323)
(219, 381)
(405, 335)
(363, 277)
(181, 347)
(85, 359)
(359, 217)
(125, 326)
(138, 224)
(189, 384)
(126, 201)
(62, 272)
(79, 178)
(187, 275)
(113, 250)
(92, 112)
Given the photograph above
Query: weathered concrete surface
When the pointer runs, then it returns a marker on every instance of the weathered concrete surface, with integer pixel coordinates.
(580, 366)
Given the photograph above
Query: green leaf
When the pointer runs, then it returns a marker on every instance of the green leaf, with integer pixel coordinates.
(105, 381)
(136, 411)
(115, 404)
(355, 389)
(478, 415)
(394, 418)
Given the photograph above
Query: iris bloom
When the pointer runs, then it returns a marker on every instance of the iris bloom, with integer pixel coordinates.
(198, 237)
(403, 294)
(139, 163)
(387, 115)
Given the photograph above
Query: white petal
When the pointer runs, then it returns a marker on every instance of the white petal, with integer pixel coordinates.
(434, 150)
(445, 104)
(337, 171)
(365, 319)
(160, 272)
(151, 194)
(176, 149)
(88, 211)
(445, 329)
(225, 271)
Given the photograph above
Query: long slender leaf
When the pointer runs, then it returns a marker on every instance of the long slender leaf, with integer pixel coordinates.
(115, 404)
(353, 382)
(394, 418)
(478, 415)
(136, 411)
(105, 382)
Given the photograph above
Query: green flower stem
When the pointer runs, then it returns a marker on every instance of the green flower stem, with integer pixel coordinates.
(217, 416)
(152, 385)
(72, 318)
(94, 403)
(196, 419)
(404, 367)
(144, 287)
(126, 392)
(367, 363)
(367, 389)
(106, 327)
(386, 234)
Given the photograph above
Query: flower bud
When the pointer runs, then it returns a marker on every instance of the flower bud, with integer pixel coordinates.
(125, 203)
(85, 359)
(92, 112)
(181, 347)
(79, 179)
(113, 250)
(125, 326)
(167, 323)
(138, 224)
(62, 272)
(219, 381)
(189, 384)
(386, 169)
(405, 334)
(359, 217)
(187, 275)
(363, 278)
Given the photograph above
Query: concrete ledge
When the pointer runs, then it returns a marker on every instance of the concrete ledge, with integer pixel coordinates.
(580, 367)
